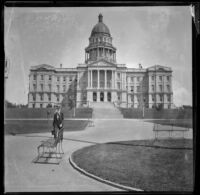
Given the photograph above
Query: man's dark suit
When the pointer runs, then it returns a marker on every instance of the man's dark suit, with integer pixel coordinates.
(58, 124)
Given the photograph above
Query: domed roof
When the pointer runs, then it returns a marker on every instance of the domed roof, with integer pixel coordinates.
(100, 27)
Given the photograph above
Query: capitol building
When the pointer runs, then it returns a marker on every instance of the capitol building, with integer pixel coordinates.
(101, 79)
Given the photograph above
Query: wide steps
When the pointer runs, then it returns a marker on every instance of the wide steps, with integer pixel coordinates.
(105, 110)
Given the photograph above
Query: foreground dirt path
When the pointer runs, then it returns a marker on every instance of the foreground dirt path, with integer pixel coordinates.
(23, 175)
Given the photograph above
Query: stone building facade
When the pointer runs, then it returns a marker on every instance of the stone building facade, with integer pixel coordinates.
(101, 79)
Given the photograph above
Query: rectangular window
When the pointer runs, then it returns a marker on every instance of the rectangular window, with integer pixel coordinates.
(132, 88)
(138, 78)
(132, 79)
(41, 86)
(160, 78)
(34, 77)
(153, 98)
(118, 85)
(33, 97)
(49, 87)
(58, 89)
(119, 97)
(40, 105)
(168, 88)
(58, 78)
(64, 78)
(64, 88)
(160, 87)
(168, 98)
(161, 98)
(33, 105)
(49, 97)
(70, 78)
(58, 99)
(167, 78)
(138, 88)
(152, 78)
(132, 98)
(152, 87)
(42, 77)
(34, 87)
(41, 97)
(49, 77)
(118, 75)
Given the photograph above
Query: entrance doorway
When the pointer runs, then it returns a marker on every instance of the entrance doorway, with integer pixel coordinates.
(94, 96)
(101, 96)
(109, 97)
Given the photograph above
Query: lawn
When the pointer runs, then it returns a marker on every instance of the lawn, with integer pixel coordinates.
(164, 165)
(40, 126)
(42, 112)
(176, 122)
(150, 113)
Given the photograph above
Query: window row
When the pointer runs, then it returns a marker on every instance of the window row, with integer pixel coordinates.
(137, 88)
(50, 78)
(152, 98)
(160, 88)
(160, 78)
(100, 40)
(41, 97)
(50, 87)
(137, 78)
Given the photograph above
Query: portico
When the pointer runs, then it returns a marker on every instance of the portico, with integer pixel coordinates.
(101, 78)
(101, 84)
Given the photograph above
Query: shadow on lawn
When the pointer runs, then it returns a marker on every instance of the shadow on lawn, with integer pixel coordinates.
(150, 144)
(76, 140)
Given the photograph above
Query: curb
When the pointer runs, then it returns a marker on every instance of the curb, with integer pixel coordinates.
(127, 188)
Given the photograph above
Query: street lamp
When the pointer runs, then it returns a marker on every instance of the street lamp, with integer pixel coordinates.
(143, 107)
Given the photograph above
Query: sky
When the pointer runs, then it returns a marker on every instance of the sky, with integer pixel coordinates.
(160, 35)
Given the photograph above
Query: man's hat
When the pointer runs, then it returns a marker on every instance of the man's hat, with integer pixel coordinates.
(58, 106)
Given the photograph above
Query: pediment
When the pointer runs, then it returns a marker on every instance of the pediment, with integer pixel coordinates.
(159, 68)
(43, 67)
(102, 63)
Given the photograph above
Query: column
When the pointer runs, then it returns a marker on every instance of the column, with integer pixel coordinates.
(105, 79)
(105, 96)
(91, 79)
(97, 52)
(112, 80)
(98, 79)
(88, 79)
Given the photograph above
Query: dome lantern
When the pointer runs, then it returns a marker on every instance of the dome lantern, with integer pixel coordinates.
(100, 18)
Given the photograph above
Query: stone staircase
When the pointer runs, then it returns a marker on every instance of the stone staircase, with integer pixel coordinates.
(105, 110)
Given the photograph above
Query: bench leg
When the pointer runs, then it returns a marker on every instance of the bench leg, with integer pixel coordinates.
(38, 149)
(61, 148)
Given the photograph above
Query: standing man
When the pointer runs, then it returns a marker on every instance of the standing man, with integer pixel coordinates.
(58, 123)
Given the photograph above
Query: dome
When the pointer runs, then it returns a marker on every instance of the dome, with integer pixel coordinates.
(100, 27)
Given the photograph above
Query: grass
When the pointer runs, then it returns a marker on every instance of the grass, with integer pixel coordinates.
(164, 165)
(157, 114)
(40, 126)
(176, 122)
(42, 112)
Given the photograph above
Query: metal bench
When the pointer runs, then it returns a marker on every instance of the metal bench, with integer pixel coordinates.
(168, 128)
(50, 148)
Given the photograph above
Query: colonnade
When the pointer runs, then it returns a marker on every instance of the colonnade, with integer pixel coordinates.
(99, 52)
(92, 81)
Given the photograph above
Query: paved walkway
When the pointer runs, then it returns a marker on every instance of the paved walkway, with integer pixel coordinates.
(23, 175)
